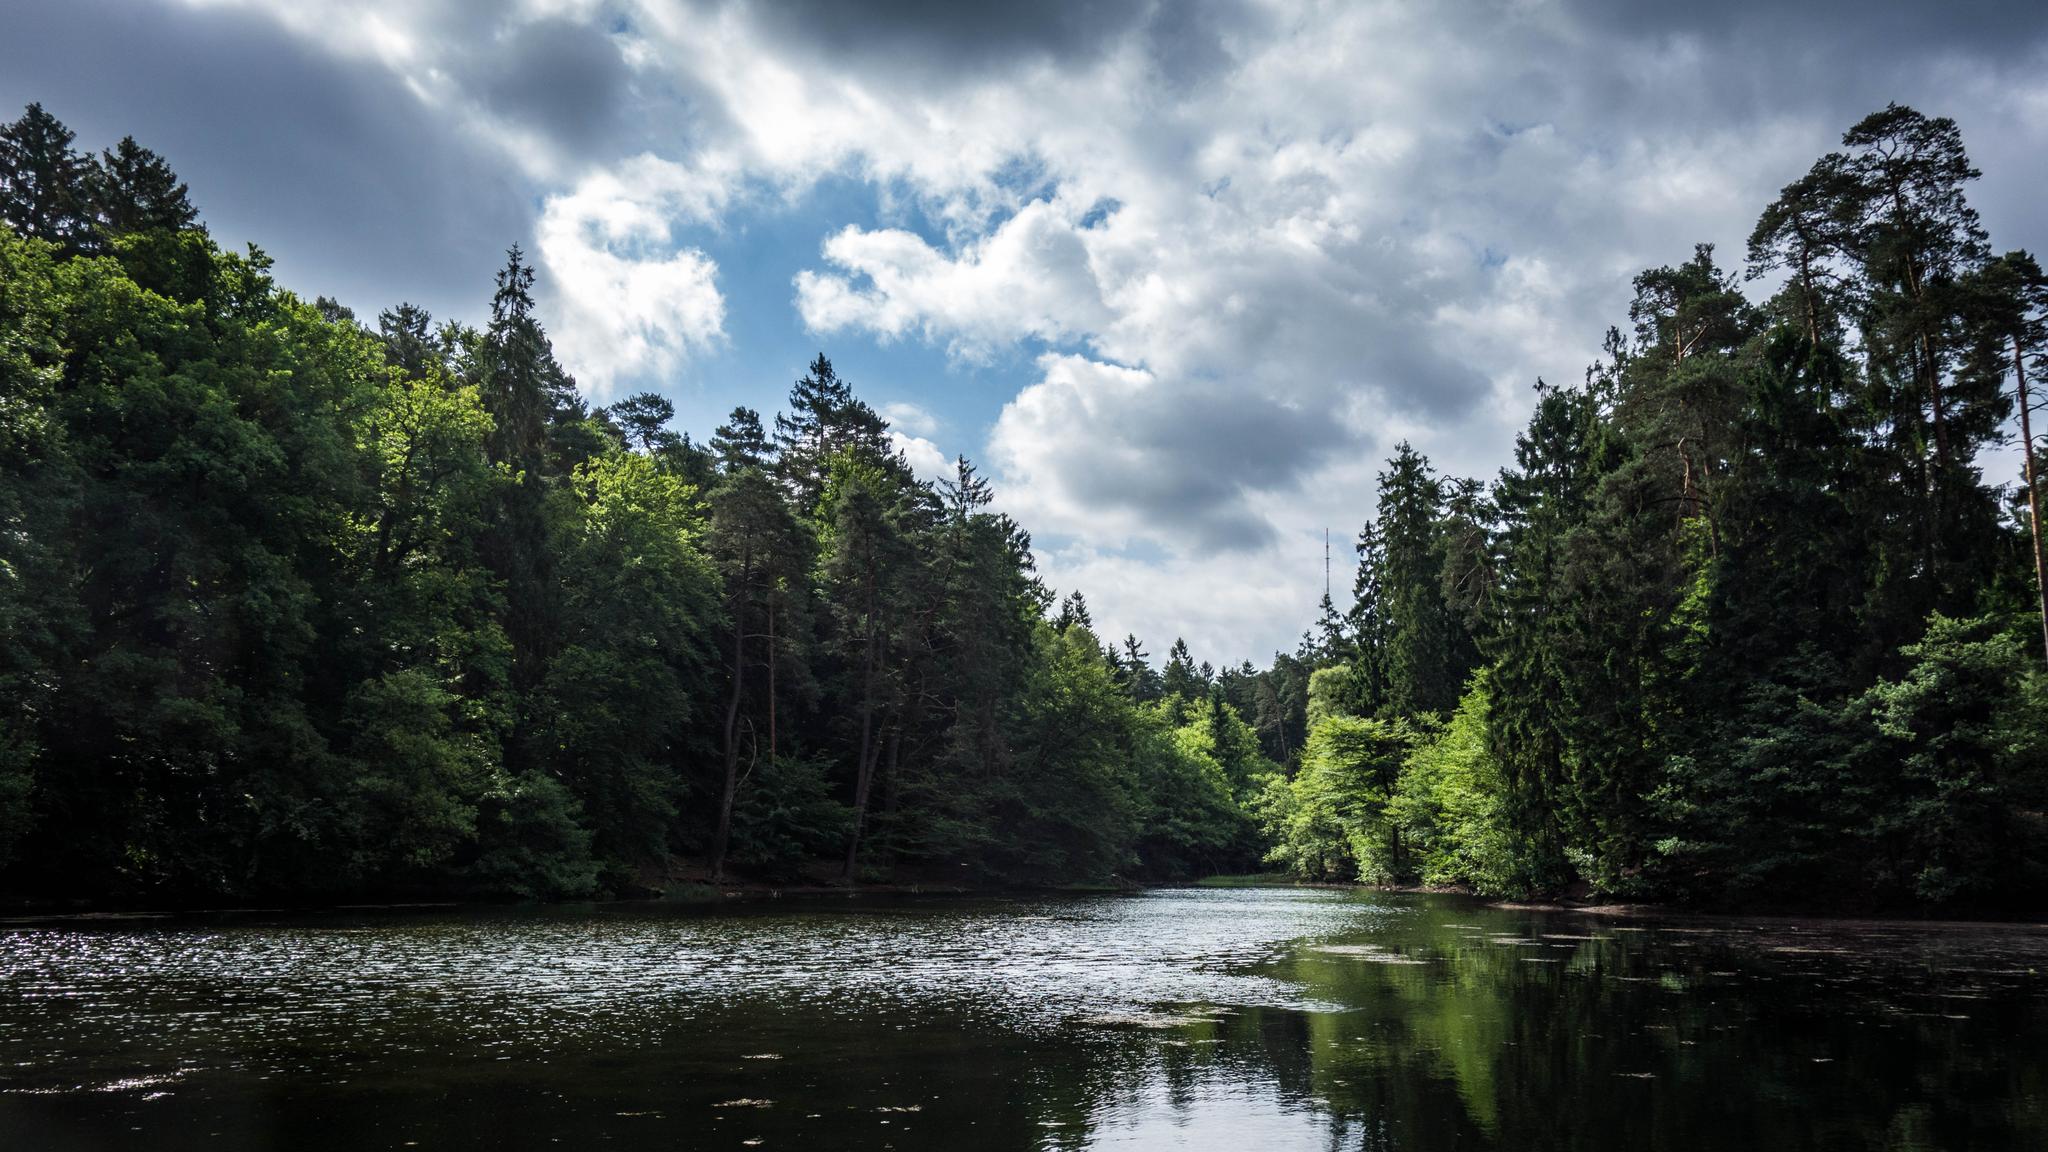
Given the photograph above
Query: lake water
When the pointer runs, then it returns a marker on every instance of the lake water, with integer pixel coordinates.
(1180, 1018)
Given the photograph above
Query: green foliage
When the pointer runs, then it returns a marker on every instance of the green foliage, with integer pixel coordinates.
(1332, 820)
(1730, 601)
(289, 608)
(615, 704)
(1196, 820)
(786, 815)
(1964, 736)
(1071, 787)
(34, 498)
(533, 842)
(45, 187)
(422, 774)
(1450, 806)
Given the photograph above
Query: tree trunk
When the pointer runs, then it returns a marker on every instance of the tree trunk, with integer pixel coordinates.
(1806, 291)
(864, 782)
(773, 656)
(864, 769)
(1933, 369)
(889, 793)
(1934, 400)
(723, 837)
(2019, 365)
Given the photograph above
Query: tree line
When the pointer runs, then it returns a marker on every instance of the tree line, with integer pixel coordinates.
(1745, 620)
(293, 605)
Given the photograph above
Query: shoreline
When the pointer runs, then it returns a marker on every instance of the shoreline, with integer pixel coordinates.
(1960, 918)
(703, 895)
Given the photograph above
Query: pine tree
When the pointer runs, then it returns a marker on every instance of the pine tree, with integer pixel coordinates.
(739, 442)
(2008, 332)
(1369, 623)
(1428, 654)
(1141, 679)
(46, 189)
(524, 387)
(1806, 232)
(644, 418)
(1181, 681)
(868, 554)
(1541, 501)
(824, 419)
(134, 190)
(409, 343)
(1073, 613)
(529, 398)
(1915, 238)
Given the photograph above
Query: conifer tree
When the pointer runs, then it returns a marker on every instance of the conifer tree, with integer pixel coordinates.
(134, 190)
(644, 418)
(739, 442)
(46, 189)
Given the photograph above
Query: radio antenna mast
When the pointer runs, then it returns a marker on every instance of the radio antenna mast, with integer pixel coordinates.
(1326, 562)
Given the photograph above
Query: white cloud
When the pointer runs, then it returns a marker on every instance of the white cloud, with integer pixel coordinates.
(1223, 620)
(626, 302)
(908, 417)
(1049, 429)
(1029, 278)
(926, 461)
(1251, 245)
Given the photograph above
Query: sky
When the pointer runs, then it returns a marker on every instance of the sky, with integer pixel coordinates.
(1176, 276)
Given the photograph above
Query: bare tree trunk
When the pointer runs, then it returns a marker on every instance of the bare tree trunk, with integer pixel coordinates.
(1933, 368)
(2019, 365)
(864, 783)
(864, 770)
(889, 792)
(1934, 399)
(723, 837)
(1806, 290)
(773, 656)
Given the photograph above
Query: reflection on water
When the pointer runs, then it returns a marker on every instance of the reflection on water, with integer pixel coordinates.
(1257, 1018)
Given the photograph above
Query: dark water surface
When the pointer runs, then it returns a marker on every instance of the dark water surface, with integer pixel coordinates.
(1228, 1019)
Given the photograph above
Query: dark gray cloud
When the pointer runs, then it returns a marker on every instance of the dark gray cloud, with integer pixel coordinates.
(562, 79)
(1209, 452)
(1186, 40)
(1735, 62)
(1744, 63)
(1191, 42)
(1840, 35)
(947, 36)
(332, 167)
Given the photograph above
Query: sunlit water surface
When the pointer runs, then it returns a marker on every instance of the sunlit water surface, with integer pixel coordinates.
(1227, 1019)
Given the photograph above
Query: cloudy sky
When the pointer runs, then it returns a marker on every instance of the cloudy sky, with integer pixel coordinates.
(1178, 275)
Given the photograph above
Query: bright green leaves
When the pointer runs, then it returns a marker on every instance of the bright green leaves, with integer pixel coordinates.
(1334, 823)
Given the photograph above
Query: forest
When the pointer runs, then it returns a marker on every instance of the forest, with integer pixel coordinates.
(295, 605)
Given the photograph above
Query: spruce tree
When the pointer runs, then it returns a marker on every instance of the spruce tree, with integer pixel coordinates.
(134, 190)
(46, 189)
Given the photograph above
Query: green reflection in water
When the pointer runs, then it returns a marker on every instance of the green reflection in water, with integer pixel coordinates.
(1232, 1018)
